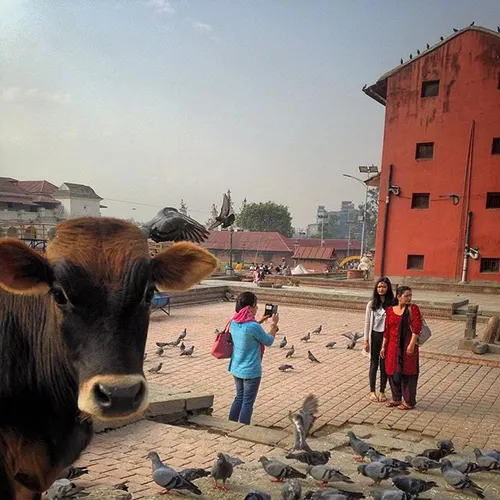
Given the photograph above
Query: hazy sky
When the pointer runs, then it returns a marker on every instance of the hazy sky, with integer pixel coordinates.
(154, 101)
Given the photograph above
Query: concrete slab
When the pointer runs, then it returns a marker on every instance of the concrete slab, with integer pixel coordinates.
(259, 434)
(211, 422)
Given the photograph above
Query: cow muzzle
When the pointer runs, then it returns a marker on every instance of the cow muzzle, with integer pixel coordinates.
(113, 396)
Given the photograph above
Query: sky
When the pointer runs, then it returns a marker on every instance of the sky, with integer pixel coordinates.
(154, 101)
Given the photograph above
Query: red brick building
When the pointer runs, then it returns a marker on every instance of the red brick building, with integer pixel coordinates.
(440, 180)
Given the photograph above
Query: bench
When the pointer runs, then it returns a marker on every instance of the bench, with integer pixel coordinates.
(161, 301)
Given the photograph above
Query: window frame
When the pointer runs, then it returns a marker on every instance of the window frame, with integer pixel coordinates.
(490, 196)
(409, 257)
(429, 84)
(489, 259)
(495, 146)
(421, 196)
(423, 145)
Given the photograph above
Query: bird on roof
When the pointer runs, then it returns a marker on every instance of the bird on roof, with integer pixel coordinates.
(411, 56)
(364, 86)
(441, 38)
(498, 29)
(455, 30)
(472, 23)
(418, 52)
(401, 62)
(428, 46)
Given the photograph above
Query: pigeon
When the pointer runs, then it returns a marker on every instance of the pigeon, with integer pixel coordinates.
(412, 485)
(401, 61)
(302, 423)
(492, 453)
(171, 225)
(418, 52)
(162, 344)
(64, 489)
(411, 56)
(290, 352)
(72, 472)
(175, 343)
(258, 495)
(160, 351)
(359, 446)
(455, 30)
(188, 352)
(378, 471)
(472, 23)
(234, 461)
(292, 490)
(311, 457)
(279, 470)
(325, 475)
(283, 343)
(423, 464)
(353, 337)
(333, 494)
(306, 338)
(226, 216)
(312, 357)
(446, 444)
(331, 345)
(375, 456)
(428, 46)
(222, 470)
(466, 467)
(318, 330)
(121, 486)
(434, 453)
(193, 473)
(479, 348)
(182, 347)
(390, 495)
(168, 478)
(183, 334)
(458, 480)
(485, 461)
(441, 38)
(156, 368)
(284, 368)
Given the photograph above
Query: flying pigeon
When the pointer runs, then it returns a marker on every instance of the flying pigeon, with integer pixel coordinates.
(292, 490)
(353, 337)
(302, 423)
(485, 461)
(156, 368)
(279, 470)
(283, 343)
(306, 338)
(318, 330)
(423, 464)
(168, 478)
(458, 480)
(413, 485)
(171, 225)
(226, 216)
(331, 345)
(290, 352)
(326, 475)
(192, 473)
(311, 457)
(73, 472)
(258, 495)
(312, 358)
(222, 470)
(377, 471)
(188, 352)
(359, 446)
(284, 368)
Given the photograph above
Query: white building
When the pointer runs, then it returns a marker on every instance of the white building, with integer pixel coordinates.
(78, 200)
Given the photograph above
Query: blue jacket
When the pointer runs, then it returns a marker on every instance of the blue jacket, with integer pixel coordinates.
(247, 337)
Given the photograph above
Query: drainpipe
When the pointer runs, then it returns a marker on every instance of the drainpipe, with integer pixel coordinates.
(386, 218)
(466, 247)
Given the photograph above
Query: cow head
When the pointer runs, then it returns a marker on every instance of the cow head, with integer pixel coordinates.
(101, 279)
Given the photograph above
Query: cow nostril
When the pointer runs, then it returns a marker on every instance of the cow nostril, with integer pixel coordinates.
(119, 399)
(102, 396)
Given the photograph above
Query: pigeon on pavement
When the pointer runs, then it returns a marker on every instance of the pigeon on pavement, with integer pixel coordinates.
(306, 337)
(283, 343)
(413, 485)
(423, 464)
(390, 495)
(318, 330)
(162, 344)
(192, 473)
(64, 489)
(331, 345)
(73, 472)
(284, 368)
(279, 470)
(311, 457)
(182, 347)
(458, 480)
(258, 495)
(465, 467)
(160, 351)
(485, 461)
(183, 334)
(302, 422)
(492, 453)
(359, 446)
(292, 490)
(353, 337)
(121, 486)
(377, 471)
(290, 352)
(446, 444)
(222, 470)
(174, 343)
(326, 475)
(168, 478)
(312, 357)
(435, 453)
(156, 368)
(226, 215)
(333, 494)
(375, 456)
(234, 461)
(188, 352)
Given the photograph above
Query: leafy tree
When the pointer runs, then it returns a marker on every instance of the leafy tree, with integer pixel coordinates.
(371, 217)
(267, 216)
(214, 212)
(183, 209)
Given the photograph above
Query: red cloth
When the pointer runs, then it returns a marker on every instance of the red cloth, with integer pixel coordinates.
(244, 316)
(392, 321)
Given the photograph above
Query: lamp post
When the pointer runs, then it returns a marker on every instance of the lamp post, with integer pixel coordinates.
(231, 249)
(364, 169)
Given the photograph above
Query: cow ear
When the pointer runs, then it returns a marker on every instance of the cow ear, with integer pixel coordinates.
(22, 270)
(181, 266)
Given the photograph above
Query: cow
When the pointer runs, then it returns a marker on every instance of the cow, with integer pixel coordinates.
(73, 327)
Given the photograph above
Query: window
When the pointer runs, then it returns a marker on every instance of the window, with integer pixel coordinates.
(430, 88)
(420, 200)
(495, 148)
(425, 150)
(415, 262)
(492, 200)
(490, 265)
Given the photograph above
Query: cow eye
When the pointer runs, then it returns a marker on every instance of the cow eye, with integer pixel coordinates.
(148, 297)
(59, 296)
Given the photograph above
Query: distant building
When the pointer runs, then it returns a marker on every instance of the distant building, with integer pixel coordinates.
(78, 200)
(339, 224)
(441, 158)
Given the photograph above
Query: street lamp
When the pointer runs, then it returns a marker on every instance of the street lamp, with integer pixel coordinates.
(231, 230)
(364, 169)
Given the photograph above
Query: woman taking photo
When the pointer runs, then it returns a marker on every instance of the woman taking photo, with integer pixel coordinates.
(383, 297)
(400, 349)
(249, 339)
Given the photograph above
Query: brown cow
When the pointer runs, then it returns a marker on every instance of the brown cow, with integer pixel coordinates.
(73, 328)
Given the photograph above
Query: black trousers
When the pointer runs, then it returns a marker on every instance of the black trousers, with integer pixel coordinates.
(376, 361)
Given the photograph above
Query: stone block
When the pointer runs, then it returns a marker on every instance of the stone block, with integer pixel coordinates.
(258, 434)
(103, 425)
(219, 423)
(199, 401)
(108, 494)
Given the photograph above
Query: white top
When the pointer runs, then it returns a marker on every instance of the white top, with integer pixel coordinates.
(379, 320)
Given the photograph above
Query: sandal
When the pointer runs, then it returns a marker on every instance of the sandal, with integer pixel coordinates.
(382, 398)
(404, 407)
(392, 404)
(374, 398)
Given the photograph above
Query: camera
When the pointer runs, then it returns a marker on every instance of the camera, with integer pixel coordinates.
(270, 309)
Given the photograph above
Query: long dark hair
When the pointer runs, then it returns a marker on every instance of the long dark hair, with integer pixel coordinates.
(389, 295)
(245, 299)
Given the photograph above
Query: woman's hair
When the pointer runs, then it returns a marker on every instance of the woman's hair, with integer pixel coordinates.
(245, 299)
(389, 295)
(400, 290)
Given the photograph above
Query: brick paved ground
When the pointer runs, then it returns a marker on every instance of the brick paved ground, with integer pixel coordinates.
(455, 400)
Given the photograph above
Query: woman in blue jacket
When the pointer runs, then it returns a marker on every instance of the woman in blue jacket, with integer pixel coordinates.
(249, 339)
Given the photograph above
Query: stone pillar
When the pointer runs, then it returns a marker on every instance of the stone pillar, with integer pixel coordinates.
(470, 325)
(490, 334)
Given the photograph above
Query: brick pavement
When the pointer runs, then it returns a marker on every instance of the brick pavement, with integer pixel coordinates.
(456, 400)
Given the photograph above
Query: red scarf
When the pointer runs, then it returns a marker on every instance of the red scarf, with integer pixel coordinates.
(245, 315)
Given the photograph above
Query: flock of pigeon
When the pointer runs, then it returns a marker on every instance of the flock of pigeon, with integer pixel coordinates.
(352, 338)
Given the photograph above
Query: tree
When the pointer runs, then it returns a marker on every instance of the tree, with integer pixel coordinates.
(330, 222)
(214, 212)
(183, 209)
(267, 216)
(371, 217)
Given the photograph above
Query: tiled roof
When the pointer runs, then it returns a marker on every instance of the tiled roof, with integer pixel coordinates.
(41, 191)
(338, 244)
(314, 253)
(11, 192)
(76, 191)
(248, 240)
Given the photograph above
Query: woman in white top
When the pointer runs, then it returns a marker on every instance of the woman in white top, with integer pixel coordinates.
(383, 297)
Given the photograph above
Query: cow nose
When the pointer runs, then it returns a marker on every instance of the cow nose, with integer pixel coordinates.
(117, 400)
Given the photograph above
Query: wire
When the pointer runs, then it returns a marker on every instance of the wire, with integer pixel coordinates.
(150, 205)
